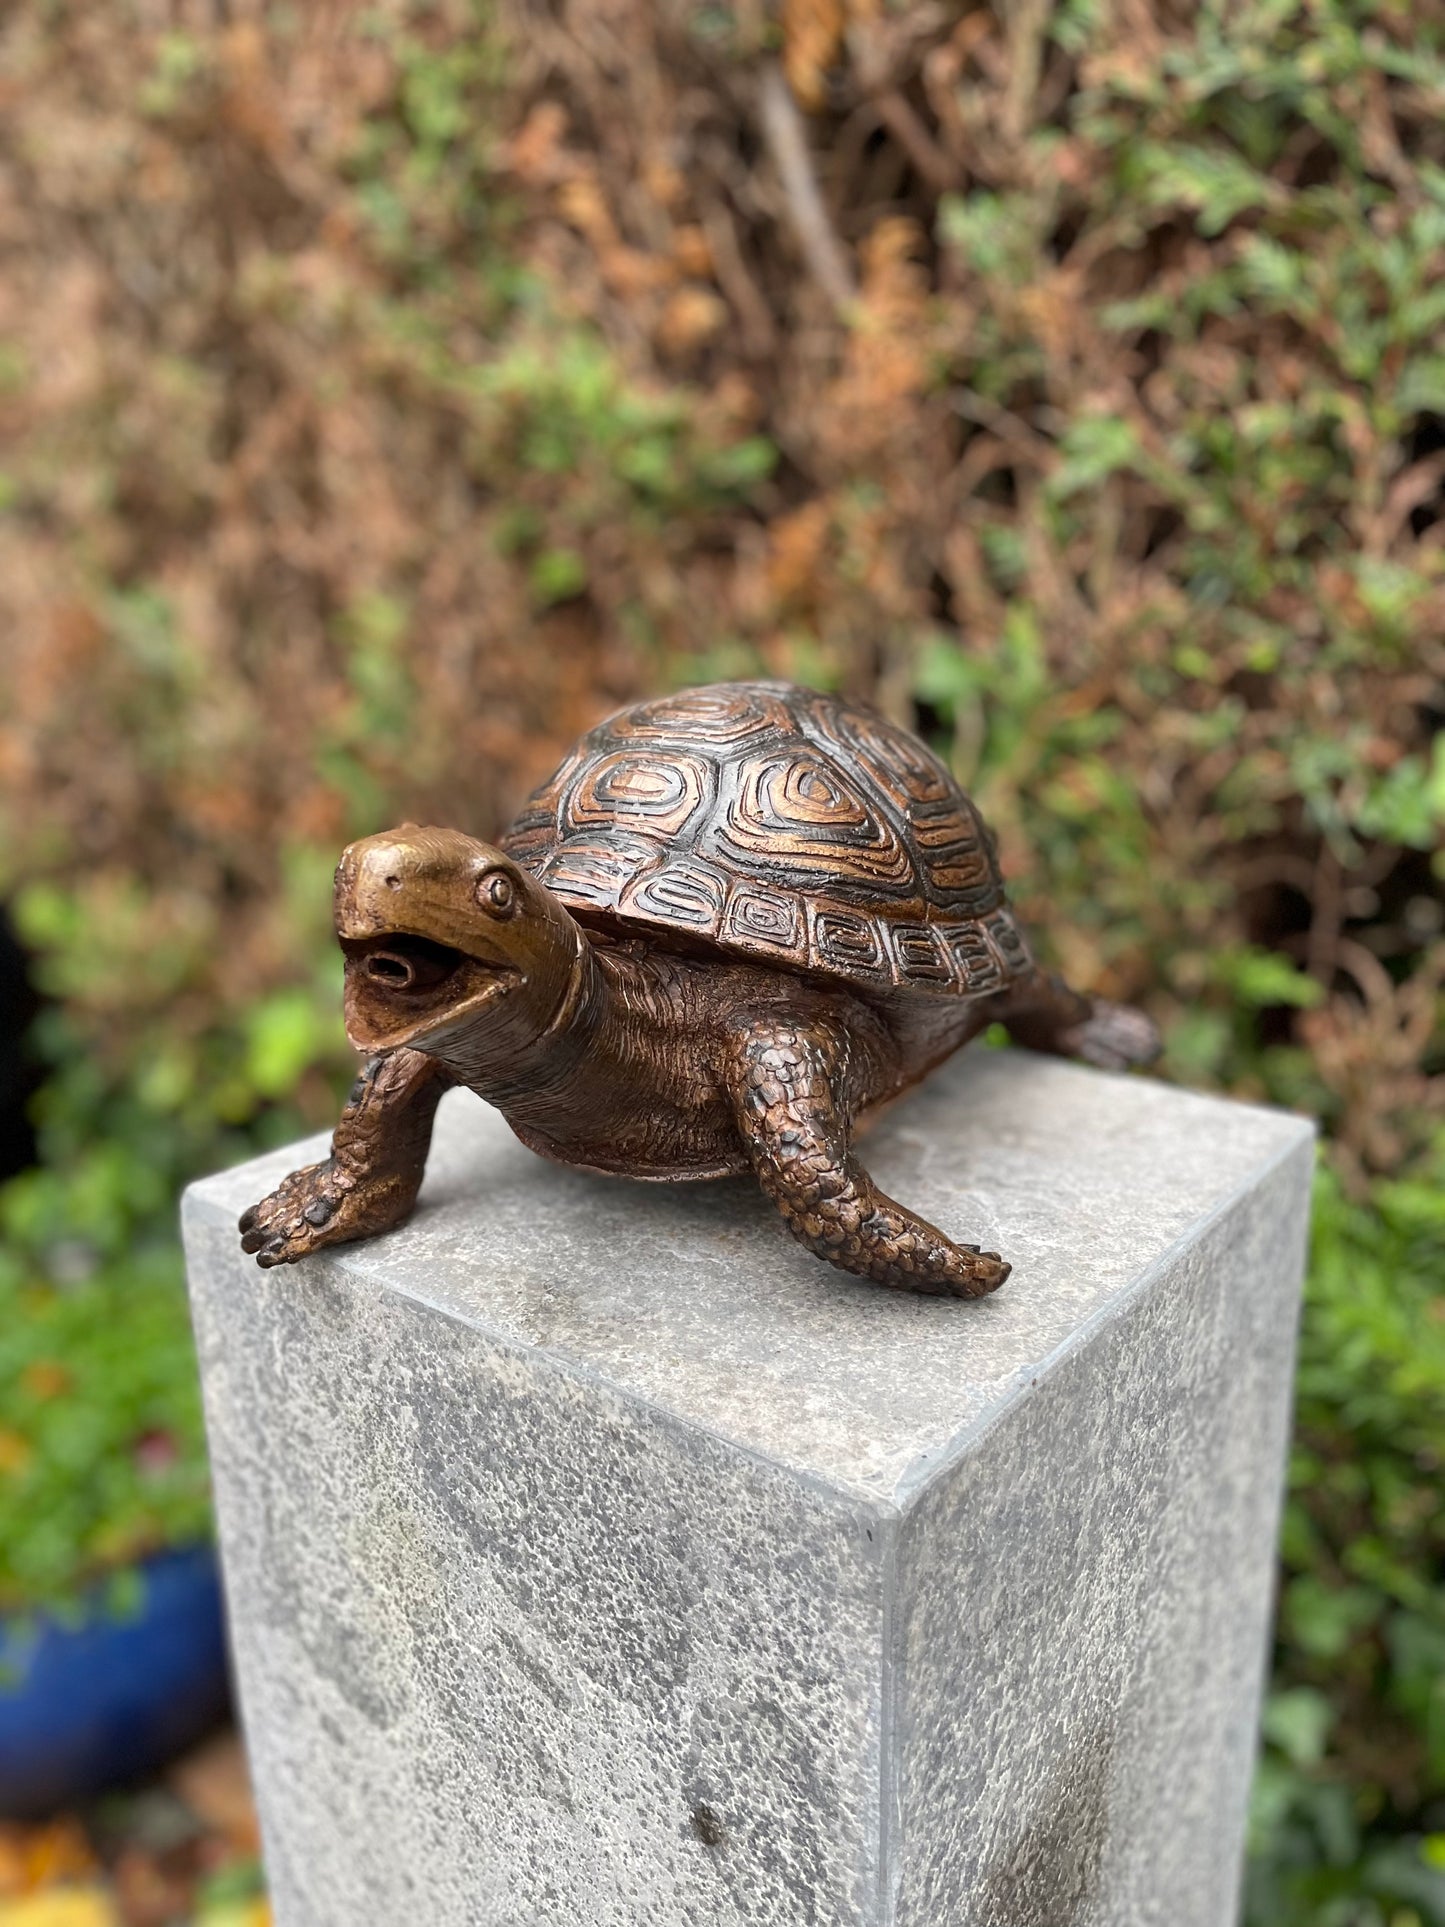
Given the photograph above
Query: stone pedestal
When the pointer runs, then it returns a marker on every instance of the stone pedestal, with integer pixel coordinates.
(597, 1558)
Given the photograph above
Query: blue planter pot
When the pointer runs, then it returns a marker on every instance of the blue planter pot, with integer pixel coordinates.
(88, 1707)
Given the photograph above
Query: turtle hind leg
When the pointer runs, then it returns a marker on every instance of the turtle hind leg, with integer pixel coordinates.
(1045, 1015)
(796, 1133)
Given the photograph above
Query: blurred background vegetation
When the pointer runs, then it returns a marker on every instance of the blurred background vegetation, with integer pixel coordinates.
(388, 391)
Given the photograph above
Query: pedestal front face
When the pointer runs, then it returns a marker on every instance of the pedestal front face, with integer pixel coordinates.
(597, 1558)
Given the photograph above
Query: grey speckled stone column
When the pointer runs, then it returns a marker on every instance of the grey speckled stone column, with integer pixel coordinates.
(597, 1558)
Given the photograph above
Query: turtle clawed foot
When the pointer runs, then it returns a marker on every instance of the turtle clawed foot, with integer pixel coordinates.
(947, 1270)
(982, 1272)
(1113, 1038)
(305, 1211)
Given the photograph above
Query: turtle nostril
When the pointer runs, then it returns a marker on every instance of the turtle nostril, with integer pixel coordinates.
(386, 969)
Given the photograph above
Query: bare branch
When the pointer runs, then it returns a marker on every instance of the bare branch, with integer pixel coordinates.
(788, 143)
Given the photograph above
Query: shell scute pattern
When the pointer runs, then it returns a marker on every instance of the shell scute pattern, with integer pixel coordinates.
(781, 824)
(851, 944)
(720, 716)
(591, 872)
(919, 953)
(795, 813)
(536, 831)
(685, 895)
(899, 764)
(758, 918)
(975, 960)
(658, 795)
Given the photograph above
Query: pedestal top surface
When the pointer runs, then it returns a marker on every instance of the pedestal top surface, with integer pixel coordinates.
(694, 1298)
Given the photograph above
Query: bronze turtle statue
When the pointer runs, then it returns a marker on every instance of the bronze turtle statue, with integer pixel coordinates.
(734, 924)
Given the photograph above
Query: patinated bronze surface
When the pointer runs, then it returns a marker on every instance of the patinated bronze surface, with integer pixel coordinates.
(734, 925)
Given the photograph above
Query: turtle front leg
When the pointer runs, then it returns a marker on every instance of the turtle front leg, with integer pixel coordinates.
(370, 1181)
(783, 1085)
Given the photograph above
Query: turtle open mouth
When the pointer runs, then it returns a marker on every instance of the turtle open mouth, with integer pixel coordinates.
(401, 987)
(405, 964)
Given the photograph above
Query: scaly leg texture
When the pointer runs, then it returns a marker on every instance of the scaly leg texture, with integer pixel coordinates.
(370, 1181)
(783, 1079)
(1044, 1014)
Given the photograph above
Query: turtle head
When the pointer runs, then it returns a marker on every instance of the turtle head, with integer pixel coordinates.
(450, 946)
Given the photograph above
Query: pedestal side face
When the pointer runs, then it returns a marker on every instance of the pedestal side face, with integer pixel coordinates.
(515, 1649)
(1084, 1602)
(694, 1298)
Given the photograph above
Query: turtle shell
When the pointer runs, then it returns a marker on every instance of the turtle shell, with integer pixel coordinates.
(781, 825)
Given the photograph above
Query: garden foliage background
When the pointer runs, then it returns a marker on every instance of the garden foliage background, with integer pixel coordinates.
(387, 391)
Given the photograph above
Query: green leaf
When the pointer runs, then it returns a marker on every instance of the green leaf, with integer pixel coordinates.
(1325, 1619)
(1214, 182)
(286, 1033)
(1094, 448)
(1299, 1723)
(1407, 805)
(1262, 978)
(557, 574)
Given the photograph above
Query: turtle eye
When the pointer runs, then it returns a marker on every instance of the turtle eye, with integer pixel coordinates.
(496, 892)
